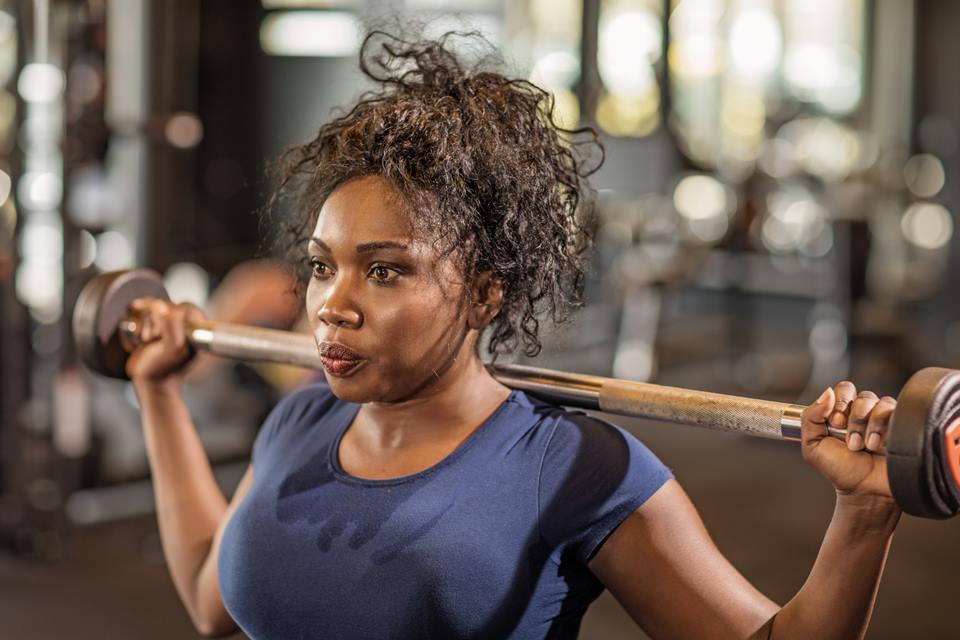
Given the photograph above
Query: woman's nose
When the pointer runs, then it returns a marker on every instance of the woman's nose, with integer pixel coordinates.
(338, 310)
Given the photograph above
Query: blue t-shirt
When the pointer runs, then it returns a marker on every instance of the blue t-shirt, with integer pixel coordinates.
(491, 542)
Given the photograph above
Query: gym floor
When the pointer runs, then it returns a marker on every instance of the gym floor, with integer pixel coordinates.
(766, 510)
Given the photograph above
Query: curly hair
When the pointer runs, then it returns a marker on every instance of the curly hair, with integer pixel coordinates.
(476, 157)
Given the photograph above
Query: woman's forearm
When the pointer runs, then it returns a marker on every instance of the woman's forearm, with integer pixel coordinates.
(189, 503)
(837, 599)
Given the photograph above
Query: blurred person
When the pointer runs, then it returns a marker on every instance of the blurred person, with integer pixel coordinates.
(411, 495)
(260, 293)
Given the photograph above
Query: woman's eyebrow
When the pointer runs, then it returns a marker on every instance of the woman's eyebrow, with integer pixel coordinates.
(383, 244)
(366, 247)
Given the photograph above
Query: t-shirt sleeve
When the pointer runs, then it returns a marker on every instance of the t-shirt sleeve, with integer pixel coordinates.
(290, 410)
(594, 474)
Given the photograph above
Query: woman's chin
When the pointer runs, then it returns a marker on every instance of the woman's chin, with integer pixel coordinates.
(348, 390)
(358, 389)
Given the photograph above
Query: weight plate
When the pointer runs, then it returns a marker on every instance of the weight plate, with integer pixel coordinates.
(102, 304)
(919, 471)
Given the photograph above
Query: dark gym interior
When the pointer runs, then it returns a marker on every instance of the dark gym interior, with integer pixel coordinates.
(777, 212)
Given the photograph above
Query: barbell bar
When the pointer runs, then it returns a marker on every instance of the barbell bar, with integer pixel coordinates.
(923, 442)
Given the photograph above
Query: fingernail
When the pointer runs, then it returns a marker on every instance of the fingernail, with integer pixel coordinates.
(873, 441)
(838, 420)
(854, 441)
(823, 396)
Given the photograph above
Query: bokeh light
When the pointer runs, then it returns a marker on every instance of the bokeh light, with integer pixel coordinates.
(114, 251)
(187, 282)
(923, 175)
(927, 225)
(700, 197)
(755, 42)
(310, 33)
(40, 190)
(184, 130)
(40, 82)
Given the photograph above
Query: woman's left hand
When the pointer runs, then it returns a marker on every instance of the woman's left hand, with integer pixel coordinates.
(857, 466)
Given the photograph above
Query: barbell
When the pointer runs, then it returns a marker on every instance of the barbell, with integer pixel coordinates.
(923, 441)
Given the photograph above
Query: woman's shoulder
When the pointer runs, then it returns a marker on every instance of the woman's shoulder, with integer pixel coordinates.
(593, 474)
(302, 409)
(570, 438)
(590, 438)
(573, 429)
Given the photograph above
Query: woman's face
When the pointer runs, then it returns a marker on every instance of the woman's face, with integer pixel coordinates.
(387, 313)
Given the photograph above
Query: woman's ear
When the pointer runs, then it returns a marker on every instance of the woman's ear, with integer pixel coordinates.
(486, 296)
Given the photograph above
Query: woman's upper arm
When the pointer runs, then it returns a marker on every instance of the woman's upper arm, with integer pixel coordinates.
(209, 603)
(662, 566)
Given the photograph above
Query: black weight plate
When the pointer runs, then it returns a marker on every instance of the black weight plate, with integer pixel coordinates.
(919, 473)
(102, 304)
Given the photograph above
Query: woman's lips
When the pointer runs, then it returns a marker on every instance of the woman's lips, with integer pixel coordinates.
(339, 360)
(340, 368)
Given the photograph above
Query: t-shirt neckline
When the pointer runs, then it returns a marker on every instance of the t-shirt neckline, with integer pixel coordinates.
(341, 475)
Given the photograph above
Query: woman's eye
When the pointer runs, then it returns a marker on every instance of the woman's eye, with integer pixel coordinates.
(383, 274)
(319, 269)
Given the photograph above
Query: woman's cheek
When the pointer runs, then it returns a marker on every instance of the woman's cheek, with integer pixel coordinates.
(397, 326)
(312, 303)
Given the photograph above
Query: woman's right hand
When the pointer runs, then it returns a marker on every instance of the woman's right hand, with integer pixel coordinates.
(164, 352)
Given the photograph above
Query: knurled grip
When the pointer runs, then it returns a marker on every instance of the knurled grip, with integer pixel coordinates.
(717, 411)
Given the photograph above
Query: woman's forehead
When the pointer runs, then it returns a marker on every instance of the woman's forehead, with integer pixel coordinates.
(363, 210)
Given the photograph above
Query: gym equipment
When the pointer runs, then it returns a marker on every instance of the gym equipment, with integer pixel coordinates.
(923, 443)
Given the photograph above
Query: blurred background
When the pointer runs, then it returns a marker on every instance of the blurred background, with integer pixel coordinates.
(777, 213)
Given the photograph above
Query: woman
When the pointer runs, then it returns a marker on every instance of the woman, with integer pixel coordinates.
(412, 495)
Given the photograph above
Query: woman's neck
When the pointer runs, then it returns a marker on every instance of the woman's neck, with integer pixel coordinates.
(450, 408)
